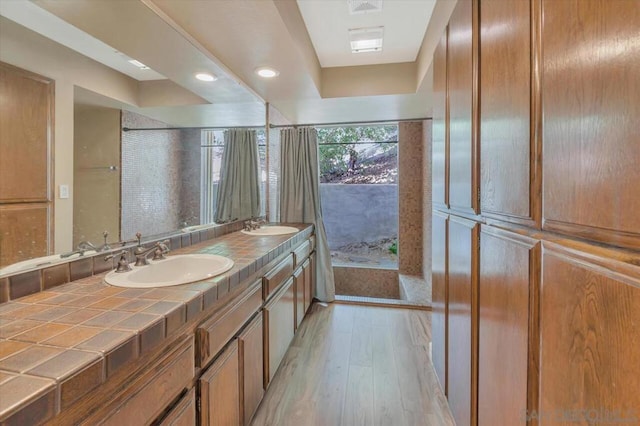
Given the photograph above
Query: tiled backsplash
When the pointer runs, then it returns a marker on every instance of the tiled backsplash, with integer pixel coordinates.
(25, 283)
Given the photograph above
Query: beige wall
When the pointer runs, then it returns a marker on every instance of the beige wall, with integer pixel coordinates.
(30, 51)
(96, 146)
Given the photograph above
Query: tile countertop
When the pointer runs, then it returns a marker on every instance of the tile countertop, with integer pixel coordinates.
(58, 344)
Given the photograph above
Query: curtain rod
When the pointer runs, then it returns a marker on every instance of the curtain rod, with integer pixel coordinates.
(129, 129)
(349, 123)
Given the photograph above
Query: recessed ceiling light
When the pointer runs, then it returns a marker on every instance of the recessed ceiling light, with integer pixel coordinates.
(203, 76)
(366, 39)
(138, 64)
(267, 72)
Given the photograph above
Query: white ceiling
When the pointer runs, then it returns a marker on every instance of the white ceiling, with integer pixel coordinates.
(44, 23)
(328, 22)
(178, 38)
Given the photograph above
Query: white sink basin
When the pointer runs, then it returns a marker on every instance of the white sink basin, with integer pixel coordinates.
(40, 262)
(272, 230)
(174, 270)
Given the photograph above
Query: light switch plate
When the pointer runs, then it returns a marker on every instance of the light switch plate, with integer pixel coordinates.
(64, 191)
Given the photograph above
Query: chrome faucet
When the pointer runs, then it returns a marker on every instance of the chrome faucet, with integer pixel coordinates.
(142, 253)
(81, 248)
(252, 225)
(123, 262)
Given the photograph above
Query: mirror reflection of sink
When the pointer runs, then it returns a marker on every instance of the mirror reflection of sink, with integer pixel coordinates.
(272, 230)
(174, 270)
(40, 262)
(197, 227)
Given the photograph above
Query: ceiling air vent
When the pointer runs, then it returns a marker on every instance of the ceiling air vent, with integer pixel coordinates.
(357, 7)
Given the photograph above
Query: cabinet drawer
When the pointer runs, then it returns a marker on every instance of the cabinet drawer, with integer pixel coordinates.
(272, 280)
(302, 252)
(213, 334)
(157, 390)
(279, 327)
(184, 413)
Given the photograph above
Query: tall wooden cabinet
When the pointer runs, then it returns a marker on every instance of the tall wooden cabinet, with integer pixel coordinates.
(536, 286)
(26, 168)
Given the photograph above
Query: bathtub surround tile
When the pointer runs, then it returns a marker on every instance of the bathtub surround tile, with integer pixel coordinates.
(34, 396)
(55, 276)
(25, 284)
(81, 268)
(367, 282)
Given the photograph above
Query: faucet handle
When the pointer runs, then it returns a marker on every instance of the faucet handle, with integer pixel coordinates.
(123, 262)
(139, 238)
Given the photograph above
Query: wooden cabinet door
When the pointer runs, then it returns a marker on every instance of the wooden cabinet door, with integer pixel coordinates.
(184, 413)
(299, 283)
(462, 334)
(309, 273)
(220, 390)
(509, 270)
(461, 53)
(26, 132)
(250, 350)
(590, 329)
(439, 296)
(591, 105)
(440, 127)
(279, 328)
(505, 84)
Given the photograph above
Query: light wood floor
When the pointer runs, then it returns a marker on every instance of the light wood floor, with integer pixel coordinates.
(357, 365)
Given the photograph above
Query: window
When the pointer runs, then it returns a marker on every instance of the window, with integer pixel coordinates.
(358, 188)
(212, 147)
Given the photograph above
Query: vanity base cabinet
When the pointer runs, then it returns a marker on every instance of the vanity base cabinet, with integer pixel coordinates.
(310, 280)
(250, 352)
(279, 316)
(299, 277)
(220, 390)
(184, 413)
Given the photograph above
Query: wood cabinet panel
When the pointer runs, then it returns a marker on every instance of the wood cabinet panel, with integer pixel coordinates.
(157, 389)
(505, 105)
(460, 73)
(439, 296)
(214, 333)
(184, 413)
(279, 328)
(508, 274)
(250, 350)
(440, 128)
(23, 232)
(461, 351)
(309, 276)
(26, 132)
(220, 390)
(301, 253)
(591, 104)
(591, 363)
(299, 284)
(272, 280)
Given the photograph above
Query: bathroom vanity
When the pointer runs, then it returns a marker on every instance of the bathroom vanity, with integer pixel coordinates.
(200, 353)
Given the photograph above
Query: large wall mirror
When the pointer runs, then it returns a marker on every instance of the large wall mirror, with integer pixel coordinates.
(128, 152)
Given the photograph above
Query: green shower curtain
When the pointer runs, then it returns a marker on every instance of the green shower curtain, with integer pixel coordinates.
(238, 194)
(300, 198)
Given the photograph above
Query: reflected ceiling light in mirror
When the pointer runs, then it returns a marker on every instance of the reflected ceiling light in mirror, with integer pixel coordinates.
(366, 39)
(138, 64)
(203, 76)
(267, 72)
